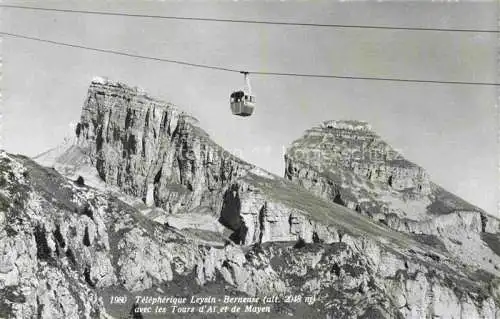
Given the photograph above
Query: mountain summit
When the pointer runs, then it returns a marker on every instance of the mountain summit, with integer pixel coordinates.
(144, 203)
(375, 179)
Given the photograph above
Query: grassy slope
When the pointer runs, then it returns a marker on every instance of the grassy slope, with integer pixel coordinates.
(445, 202)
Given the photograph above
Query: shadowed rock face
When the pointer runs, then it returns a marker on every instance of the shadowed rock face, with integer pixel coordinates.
(231, 208)
(151, 150)
(230, 215)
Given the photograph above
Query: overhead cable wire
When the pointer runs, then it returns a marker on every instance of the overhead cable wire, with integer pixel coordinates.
(227, 69)
(263, 22)
(132, 55)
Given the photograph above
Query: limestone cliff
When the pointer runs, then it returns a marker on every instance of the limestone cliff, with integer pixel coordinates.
(152, 150)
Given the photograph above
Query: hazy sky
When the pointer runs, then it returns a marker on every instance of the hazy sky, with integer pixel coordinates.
(451, 130)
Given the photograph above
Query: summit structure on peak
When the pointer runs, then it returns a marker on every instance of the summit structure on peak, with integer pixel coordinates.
(350, 125)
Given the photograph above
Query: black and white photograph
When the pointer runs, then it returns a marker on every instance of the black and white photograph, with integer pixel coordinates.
(249, 159)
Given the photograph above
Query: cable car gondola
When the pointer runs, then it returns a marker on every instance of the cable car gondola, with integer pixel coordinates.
(243, 102)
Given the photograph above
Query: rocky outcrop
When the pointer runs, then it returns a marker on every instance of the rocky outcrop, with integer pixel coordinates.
(257, 218)
(37, 249)
(353, 146)
(152, 150)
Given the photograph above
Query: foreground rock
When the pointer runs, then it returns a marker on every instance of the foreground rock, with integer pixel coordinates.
(66, 249)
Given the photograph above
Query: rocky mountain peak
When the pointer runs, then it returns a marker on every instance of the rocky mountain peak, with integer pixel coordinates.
(353, 148)
(151, 149)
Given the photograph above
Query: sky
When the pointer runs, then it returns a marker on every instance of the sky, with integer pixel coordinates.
(450, 130)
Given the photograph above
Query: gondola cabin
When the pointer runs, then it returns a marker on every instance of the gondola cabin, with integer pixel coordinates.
(242, 101)
(242, 104)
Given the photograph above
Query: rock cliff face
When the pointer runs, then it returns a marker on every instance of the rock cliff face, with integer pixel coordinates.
(152, 150)
(315, 233)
